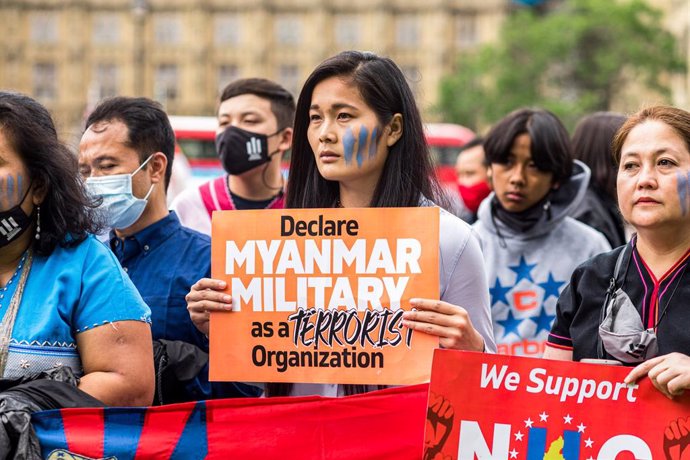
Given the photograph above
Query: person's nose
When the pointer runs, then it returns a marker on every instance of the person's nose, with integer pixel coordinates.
(517, 175)
(647, 177)
(327, 134)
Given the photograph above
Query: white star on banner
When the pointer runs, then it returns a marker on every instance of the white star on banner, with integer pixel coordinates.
(528, 423)
(589, 442)
(518, 436)
(543, 416)
(567, 419)
(581, 428)
(513, 453)
(590, 458)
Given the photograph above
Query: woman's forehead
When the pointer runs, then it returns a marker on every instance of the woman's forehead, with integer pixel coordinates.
(653, 136)
(336, 90)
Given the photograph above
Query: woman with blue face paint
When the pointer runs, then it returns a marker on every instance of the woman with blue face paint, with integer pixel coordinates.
(64, 301)
(647, 280)
(359, 142)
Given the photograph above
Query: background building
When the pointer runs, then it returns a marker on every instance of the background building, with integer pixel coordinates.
(70, 54)
(181, 52)
(677, 20)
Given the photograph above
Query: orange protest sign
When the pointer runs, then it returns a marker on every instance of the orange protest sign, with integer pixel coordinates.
(498, 407)
(318, 294)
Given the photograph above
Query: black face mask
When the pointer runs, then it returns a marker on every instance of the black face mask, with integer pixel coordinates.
(13, 222)
(240, 150)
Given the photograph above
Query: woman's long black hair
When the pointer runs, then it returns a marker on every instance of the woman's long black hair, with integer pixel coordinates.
(67, 213)
(408, 173)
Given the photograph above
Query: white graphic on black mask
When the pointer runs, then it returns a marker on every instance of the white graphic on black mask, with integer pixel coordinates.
(253, 149)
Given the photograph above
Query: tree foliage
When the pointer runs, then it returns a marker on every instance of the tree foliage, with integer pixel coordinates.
(575, 59)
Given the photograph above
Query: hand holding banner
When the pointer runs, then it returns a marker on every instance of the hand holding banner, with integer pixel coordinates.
(318, 294)
(497, 407)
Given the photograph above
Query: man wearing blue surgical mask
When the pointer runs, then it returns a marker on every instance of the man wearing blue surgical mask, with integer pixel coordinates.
(255, 118)
(125, 159)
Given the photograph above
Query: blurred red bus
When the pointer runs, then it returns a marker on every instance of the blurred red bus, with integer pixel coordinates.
(445, 141)
(196, 138)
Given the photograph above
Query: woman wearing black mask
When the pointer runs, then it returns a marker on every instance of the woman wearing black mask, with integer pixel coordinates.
(64, 300)
(254, 131)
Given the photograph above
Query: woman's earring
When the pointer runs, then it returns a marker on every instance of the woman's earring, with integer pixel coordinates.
(38, 222)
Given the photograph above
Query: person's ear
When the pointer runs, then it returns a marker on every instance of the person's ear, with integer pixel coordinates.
(157, 166)
(285, 141)
(555, 185)
(38, 192)
(490, 176)
(395, 128)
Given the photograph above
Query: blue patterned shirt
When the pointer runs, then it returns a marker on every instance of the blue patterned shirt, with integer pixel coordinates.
(70, 291)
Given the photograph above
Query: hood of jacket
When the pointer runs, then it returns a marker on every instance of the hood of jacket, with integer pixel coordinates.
(562, 202)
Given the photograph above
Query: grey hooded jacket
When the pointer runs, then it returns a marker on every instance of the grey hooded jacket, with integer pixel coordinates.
(528, 270)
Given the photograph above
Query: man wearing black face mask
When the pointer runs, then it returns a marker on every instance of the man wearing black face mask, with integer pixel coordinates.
(254, 131)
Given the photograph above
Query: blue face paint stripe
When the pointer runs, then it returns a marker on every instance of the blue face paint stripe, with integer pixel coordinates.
(19, 187)
(361, 145)
(687, 190)
(373, 145)
(683, 185)
(10, 190)
(348, 145)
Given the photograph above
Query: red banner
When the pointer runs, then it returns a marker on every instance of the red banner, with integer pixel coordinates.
(495, 407)
(386, 424)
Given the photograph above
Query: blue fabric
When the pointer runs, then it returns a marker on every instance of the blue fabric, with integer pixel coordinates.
(120, 428)
(71, 291)
(50, 431)
(163, 261)
(193, 443)
(126, 433)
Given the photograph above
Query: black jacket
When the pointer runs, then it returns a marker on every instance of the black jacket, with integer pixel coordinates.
(600, 212)
(54, 389)
(182, 375)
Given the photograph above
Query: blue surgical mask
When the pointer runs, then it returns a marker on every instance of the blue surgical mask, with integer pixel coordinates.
(119, 206)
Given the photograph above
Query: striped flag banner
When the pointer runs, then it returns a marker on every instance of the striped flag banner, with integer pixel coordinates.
(382, 424)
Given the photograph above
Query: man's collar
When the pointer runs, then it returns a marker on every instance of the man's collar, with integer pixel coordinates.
(153, 235)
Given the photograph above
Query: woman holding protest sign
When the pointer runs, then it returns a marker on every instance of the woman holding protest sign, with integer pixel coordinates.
(633, 300)
(359, 142)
